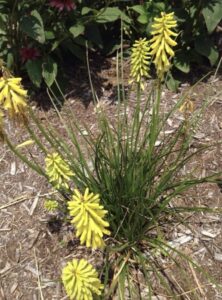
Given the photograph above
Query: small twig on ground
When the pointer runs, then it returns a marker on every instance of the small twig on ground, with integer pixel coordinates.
(39, 280)
(2, 294)
(34, 204)
(24, 198)
(196, 280)
(185, 294)
(18, 200)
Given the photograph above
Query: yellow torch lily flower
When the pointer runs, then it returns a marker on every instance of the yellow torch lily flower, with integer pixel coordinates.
(81, 280)
(13, 96)
(140, 61)
(51, 205)
(162, 43)
(187, 106)
(57, 170)
(88, 218)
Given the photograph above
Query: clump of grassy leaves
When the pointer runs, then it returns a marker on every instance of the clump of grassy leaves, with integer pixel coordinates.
(135, 166)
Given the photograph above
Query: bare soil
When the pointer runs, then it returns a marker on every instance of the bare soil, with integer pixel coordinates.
(34, 246)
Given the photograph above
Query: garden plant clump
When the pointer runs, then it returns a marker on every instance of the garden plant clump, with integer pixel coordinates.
(118, 188)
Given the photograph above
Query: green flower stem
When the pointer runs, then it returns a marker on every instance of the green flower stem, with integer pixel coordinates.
(32, 165)
(35, 138)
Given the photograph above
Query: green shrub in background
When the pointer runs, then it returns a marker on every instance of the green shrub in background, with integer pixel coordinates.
(35, 36)
(197, 22)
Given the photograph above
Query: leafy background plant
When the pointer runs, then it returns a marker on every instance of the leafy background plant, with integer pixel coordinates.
(52, 34)
(197, 23)
(60, 36)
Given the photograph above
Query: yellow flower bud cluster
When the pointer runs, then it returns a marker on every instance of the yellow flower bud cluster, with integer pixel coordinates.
(51, 205)
(57, 170)
(12, 96)
(13, 99)
(162, 43)
(88, 217)
(85, 208)
(187, 106)
(81, 280)
(140, 61)
(159, 47)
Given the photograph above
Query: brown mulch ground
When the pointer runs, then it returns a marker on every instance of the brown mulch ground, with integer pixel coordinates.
(35, 246)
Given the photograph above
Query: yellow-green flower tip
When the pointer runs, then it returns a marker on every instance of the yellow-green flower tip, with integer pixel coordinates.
(81, 280)
(140, 61)
(13, 96)
(51, 205)
(58, 170)
(162, 42)
(88, 218)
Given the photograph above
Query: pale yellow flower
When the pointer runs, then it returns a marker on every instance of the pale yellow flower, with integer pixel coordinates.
(162, 43)
(25, 144)
(51, 205)
(58, 170)
(81, 280)
(88, 218)
(140, 61)
(187, 106)
(13, 97)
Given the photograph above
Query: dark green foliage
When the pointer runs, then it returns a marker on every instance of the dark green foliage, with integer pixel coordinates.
(197, 24)
(54, 36)
(37, 37)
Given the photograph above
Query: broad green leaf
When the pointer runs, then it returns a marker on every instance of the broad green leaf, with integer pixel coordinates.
(32, 25)
(212, 15)
(140, 9)
(49, 71)
(55, 45)
(206, 47)
(86, 10)
(125, 18)
(160, 6)
(34, 69)
(143, 19)
(182, 63)
(49, 35)
(77, 29)
(109, 14)
(172, 83)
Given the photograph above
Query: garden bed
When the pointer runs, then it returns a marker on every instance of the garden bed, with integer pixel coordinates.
(34, 246)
